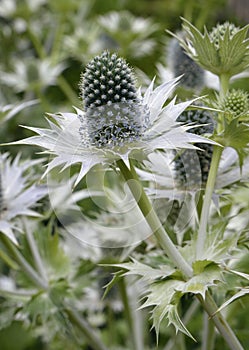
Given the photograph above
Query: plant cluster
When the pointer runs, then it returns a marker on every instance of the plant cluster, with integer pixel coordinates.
(131, 229)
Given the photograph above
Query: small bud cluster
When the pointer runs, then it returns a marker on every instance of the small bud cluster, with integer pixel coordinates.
(219, 32)
(181, 64)
(192, 166)
(236, 102)
(107, 79)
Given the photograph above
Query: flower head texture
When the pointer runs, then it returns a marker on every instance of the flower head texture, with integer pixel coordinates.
(236, 105)
(117, 122)
(181, 64)
(16, 196)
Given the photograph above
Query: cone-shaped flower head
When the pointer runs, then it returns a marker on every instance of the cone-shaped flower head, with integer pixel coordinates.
(117, 122)
(113, 112)
(192, 167)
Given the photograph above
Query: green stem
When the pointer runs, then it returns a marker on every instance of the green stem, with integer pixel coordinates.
(202, 232)
(152, 218)
(31, 273)
(136, 344)
(68, 91)
(57, 40)
(208, 334)
(170, 249)
(224, 84)
(92, 337)
(37, 45)
(221, 324)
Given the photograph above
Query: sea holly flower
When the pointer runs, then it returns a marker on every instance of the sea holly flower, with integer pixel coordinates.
(223, 51)
(16, 196)
(117, 121)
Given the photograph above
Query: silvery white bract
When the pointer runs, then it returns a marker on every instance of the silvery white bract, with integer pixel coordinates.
(67, 138)
(16, 196)
(160, 172)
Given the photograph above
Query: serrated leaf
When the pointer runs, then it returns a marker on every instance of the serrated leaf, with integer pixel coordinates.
(174, 319)
(112, 282)
(199, 283)
(241, 293)
(147, 272)
(230, 58)
(199, 265)
(160, 295)
(236, 135)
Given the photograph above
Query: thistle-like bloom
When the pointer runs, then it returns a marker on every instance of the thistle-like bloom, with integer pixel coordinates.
(116, 123)
(16, 196)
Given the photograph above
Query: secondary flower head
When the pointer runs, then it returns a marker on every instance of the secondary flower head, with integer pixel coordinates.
(236, 105)
(192, 166)
(181, 64)
(117, 121)
(16, 196)
(223, 50)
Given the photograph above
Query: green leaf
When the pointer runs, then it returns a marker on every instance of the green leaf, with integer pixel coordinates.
(112, 282)
(199, 283)
(230, 57)
(160, 295)
(235, 135)
(232, 52)
(174, 319)
(145, 271)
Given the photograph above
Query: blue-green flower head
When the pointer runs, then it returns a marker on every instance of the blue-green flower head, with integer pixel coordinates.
(106, 80)
(192, 167)
(181, 64)
(113, 111)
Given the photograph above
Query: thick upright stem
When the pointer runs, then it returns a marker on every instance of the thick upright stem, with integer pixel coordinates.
(202, 232)
(152, 219)
(129, 315)
(208, 333)
(221, 324)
